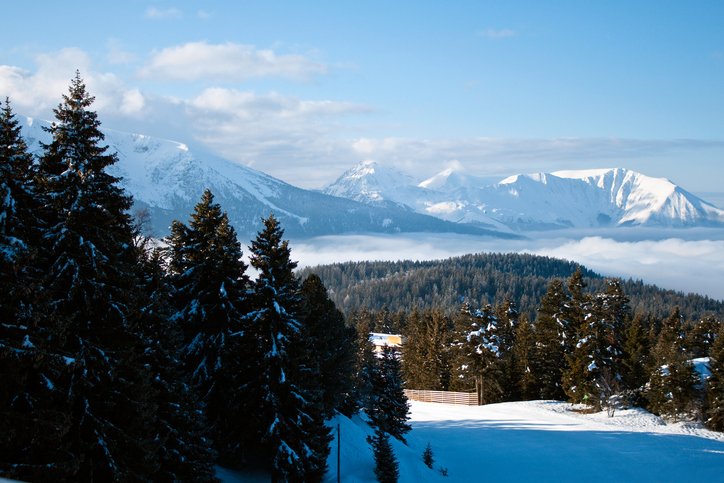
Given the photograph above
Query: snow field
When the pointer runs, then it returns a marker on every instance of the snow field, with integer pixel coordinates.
(533, 441)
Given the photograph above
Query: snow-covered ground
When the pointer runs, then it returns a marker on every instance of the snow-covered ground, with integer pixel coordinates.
(534, 441)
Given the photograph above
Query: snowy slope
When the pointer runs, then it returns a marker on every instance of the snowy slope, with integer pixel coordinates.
(540, 441)
(169, 179)
(563, 199)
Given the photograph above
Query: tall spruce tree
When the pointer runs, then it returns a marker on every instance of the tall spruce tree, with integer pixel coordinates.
(389, 403)
(524, 350)
(91, 288)
(210, 303)
(673, 383)
(330, 354)
(548, 362)
(387, 468)
(184, 452)
(477, 344)
(714, 415)
(33, 416)
(294, 441)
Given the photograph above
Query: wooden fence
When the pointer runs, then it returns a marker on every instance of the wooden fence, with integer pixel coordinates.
(443, 397)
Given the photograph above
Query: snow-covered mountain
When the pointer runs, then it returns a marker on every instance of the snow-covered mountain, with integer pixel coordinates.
(169, 179)
(563, 199)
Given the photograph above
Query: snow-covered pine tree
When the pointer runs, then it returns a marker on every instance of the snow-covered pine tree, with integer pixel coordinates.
(714, 415)
(33, 417)
(330, 354)
(294, 440)
(595, 363)
(185, 453)
(672, 390)
(90, 285)
(548, 362)
(210, 305)
(476, 347)
(507, 316)
(389, 403)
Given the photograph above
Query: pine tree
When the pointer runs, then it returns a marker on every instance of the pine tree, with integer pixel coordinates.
(636, 354)
(507, 317)
(293, 437)
(210, 304)
(477, 345)
(330, 355)
(33, 416)
(548, 362)
(91, 288)
(365, 363)
(673, 384)
(715, 385)
(523, 348)
(386, 465)
(185, 452)
(428, 456)
(389, 403)
(595, 362)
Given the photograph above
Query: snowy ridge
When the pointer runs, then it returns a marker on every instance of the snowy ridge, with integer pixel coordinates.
(542, 201)
(168, 178)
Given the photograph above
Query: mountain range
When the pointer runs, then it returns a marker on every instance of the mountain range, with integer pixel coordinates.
(543, 201)
(168, 179)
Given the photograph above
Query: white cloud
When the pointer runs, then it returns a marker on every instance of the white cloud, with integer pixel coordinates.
(36, 94)
(153, 12)
(228, 62)
(116, 55)
(497, 34)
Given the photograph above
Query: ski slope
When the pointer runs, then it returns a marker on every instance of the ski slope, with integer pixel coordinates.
(534, 441)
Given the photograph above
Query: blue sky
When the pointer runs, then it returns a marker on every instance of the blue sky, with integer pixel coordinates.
(305, 90)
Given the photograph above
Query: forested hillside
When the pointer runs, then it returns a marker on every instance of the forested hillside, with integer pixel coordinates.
(485, 279)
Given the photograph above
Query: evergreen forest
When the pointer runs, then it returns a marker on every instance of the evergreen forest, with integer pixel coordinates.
(123, 358)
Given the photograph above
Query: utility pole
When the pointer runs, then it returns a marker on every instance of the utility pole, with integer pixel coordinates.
(339, 443)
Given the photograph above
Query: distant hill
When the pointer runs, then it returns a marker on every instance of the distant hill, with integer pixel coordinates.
(484, 278)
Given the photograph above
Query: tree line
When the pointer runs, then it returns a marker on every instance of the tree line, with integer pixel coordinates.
(122, 359)
(581, 347)
(485, 278)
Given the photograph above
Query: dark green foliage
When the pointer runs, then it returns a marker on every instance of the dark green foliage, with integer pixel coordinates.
(428, 456)
(184, 453)
(714, 415)
(636, 355)
(386, 465)
(389, 403)
(91, 290)
(294, 440)
(476, 351)
(426, 353)
(330, 357)
(209, 301)
(485, 278)
(524, 353)
(595, 363)
(672, 390)
(549, 354)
